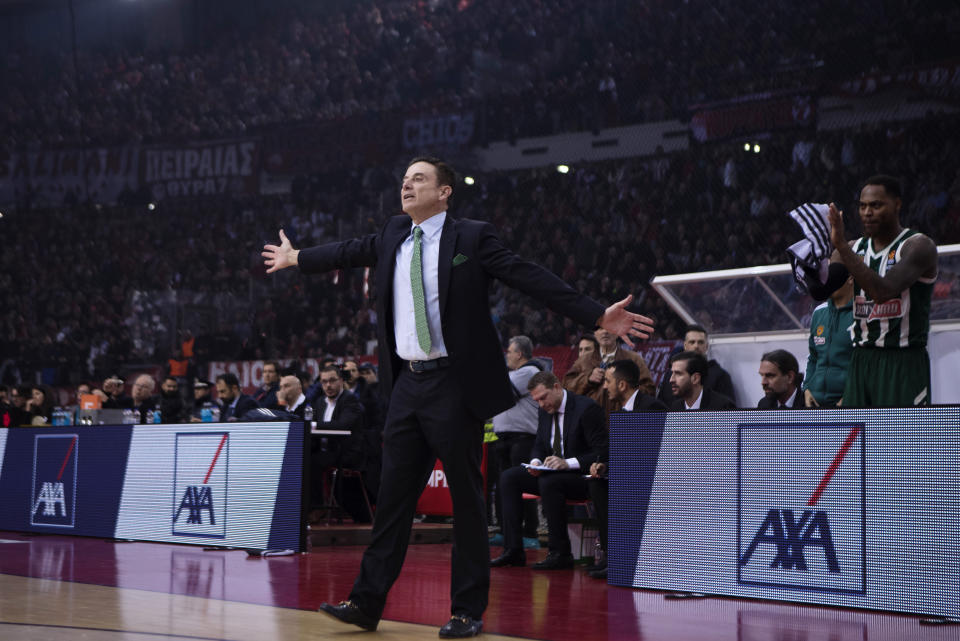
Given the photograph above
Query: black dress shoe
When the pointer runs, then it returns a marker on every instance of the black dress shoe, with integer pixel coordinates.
(593, 567)
(599, 574)
(510, 557)
(555, 561)
(349, 612)
(459, 627)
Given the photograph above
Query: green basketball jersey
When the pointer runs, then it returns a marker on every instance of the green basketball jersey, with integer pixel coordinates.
(899, 322)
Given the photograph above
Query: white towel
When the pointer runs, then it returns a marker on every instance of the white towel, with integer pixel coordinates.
(812, 253)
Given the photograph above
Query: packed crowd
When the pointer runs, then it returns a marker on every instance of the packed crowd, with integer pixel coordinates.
(525, 67)
(91, 290)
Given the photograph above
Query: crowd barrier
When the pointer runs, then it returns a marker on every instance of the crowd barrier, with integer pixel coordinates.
(842, 507)
(226, 484)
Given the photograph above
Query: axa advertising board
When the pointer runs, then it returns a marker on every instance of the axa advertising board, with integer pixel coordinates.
(852, 508)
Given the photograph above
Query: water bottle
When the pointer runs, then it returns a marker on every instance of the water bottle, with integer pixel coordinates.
(127, 416)
(206, 415)
(58, 417)
(135, 417)
(598, 552)
(308, 414)
(156, 417)
(215, 411)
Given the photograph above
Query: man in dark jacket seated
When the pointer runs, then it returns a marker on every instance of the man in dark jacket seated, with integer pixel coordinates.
(688, 371)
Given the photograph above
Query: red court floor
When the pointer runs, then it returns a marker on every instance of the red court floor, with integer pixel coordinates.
(559, 606)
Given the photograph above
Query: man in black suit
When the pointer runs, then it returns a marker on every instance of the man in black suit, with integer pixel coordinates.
(290, 392)
(695, 339)
(438, 347)
(688, 370)
(570, 436)
(340, 409)
(233, 402)
(781, 378)
(621, 380)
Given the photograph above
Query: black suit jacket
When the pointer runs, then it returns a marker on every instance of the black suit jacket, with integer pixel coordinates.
(717, 379)
(347, 415)
(767, 403)
(712, 400)
(584, 434)
(468, 332)
(244, 404)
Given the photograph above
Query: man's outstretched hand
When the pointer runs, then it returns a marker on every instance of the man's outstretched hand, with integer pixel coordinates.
(625, 324)
(277, 257)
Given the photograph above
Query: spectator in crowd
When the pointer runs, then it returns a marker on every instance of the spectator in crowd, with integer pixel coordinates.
(695, 340)
(291, 397)
(373, 410)
(341, 410)
(687, 373)
(233, 402)
(894, 270)
(587, 345)
(585, 377)
(14, 413)
(201, 398)
(781, 379)
(516, 430)
(116, 397)
(82, 390)
(830, 349)
(39, 406)
(622, 382)
(570, 436)
(142, 395)
(266, 395)
(4, 394)
(171, 403)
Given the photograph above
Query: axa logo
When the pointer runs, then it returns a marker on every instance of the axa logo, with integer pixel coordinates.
(801, 507)
(201, 471)
(792, 535)
(54, 493)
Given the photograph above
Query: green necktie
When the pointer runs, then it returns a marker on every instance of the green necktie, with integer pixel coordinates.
(419, 301)
(557, 437)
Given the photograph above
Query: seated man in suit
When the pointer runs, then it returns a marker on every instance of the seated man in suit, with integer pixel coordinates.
(621, 380)
(340, 409)
(781, 378)
(290, 396)
(688, 371)
(570, 436)
(695, 339)
(233, 402)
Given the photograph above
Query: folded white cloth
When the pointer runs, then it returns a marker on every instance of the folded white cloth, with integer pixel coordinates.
(812, 253)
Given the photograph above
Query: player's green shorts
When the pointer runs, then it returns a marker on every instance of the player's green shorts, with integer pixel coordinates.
(888, 377)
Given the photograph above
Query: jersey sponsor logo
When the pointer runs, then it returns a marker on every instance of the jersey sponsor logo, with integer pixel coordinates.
(864, 309)
(801, 512)
(819, 340)
(891, 258)
(200, 479)
(53, 498)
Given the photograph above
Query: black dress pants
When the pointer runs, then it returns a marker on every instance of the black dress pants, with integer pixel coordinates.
(426, 420)
(555, 489)
(510, 450)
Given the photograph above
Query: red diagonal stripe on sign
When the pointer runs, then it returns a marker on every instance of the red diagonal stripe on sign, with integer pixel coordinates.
(847, 444)
(214, 461)
(66, 458)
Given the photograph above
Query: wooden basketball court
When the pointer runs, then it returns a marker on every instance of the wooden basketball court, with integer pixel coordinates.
(58, 588)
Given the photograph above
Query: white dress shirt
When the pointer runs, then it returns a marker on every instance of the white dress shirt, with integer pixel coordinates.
(404, 322)
(628, 406)
(696, 403)
(331, 405)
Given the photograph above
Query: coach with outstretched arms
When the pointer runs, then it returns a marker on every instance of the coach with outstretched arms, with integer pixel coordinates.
(442, 366)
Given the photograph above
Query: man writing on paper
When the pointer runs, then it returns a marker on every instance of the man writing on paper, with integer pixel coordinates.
(570, 437)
